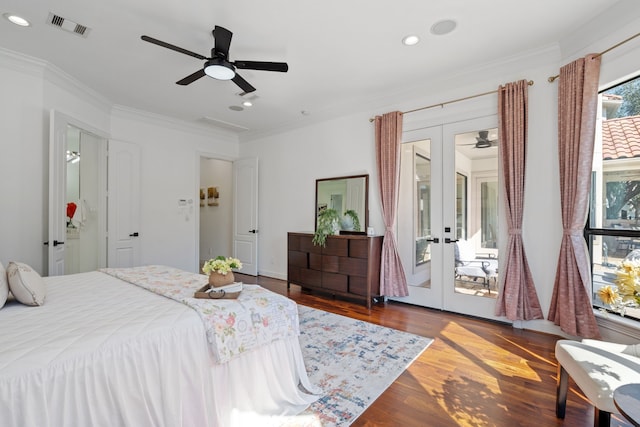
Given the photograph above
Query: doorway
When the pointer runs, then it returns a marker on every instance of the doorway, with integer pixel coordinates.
(448, 216)
(85, 246)
(77, 240)
(216, 209)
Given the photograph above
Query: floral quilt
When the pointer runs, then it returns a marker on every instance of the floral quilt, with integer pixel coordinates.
(234, 326)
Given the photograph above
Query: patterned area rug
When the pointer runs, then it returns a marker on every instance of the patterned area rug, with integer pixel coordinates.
(352, 361)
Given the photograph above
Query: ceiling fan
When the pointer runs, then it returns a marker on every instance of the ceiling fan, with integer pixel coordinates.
(482, 140)
(218, 65)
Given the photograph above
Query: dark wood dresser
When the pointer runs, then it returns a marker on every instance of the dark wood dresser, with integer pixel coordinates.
(348, 266)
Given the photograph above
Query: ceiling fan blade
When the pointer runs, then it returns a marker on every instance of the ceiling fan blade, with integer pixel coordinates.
(243, 84)
(262, 66)
(191, 77)
(172, 47)
(222, 38)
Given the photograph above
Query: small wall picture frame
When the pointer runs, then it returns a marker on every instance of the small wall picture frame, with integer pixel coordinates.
(212, 196)
(203, 197)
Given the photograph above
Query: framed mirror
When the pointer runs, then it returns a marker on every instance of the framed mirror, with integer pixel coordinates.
(349, 197)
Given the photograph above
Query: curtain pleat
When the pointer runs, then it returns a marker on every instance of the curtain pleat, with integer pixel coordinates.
(388, 135)
(571, 306)
(518, 299)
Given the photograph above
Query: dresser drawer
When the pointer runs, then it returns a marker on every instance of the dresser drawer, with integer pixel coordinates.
(335, 282)
(358, 285)
(298, 259)
(310, 278)
(306, 245)
(354, 266)
(337, 247)
(359, 248)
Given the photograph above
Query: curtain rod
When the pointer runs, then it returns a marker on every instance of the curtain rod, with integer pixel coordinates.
(553, 78)
(442, 104)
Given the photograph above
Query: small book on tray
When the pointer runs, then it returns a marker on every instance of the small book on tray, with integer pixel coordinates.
(221, 292)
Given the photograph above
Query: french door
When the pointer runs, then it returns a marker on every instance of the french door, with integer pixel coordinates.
(448, 216)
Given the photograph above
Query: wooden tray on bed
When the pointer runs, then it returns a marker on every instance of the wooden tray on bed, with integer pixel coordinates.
(223, 292)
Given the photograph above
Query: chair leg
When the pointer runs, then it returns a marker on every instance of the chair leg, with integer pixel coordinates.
(561, 391)
(601, 418)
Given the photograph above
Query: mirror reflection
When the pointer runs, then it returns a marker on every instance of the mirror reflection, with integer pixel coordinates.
(348, 198)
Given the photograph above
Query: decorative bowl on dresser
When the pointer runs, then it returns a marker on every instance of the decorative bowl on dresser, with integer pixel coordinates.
(348, 265)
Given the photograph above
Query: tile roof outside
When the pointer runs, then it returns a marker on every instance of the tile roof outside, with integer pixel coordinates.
(621, 138)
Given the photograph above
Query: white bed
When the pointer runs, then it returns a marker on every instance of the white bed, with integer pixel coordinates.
(104, 352)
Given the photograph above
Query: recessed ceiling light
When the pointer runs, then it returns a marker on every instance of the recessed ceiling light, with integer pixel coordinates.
(247, 103)
(236, 108)
(410, 40)
(18, 20)
(443, 27)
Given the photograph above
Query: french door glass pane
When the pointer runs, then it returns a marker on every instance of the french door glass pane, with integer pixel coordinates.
(489, 214)
(476, 252)
(422, 167)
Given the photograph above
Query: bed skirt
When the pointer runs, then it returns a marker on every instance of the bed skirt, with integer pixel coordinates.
(147, 364)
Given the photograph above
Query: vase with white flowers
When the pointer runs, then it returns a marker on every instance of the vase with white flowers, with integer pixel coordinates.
(220, 270)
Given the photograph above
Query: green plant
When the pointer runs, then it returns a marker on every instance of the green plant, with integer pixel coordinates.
(326, 225)
(354, 216)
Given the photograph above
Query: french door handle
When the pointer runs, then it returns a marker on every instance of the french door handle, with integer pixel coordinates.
(254, 231)
(448, 240)
(434, 240)
(56, 243)
(134, 234)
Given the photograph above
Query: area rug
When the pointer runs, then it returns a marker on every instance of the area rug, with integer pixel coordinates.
(352, 361)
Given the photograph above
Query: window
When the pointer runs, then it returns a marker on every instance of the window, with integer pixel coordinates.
(461, 206)
(613, 229)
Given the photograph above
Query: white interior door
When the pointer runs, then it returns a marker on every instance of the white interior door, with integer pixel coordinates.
(245, 214)
(470, 153)
(58, 125)
(124, 205)
(419, 216)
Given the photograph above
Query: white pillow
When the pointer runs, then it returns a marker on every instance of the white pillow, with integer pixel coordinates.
(4, 286)
(25, 284)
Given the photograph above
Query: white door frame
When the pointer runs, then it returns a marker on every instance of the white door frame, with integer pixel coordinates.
(57, 229)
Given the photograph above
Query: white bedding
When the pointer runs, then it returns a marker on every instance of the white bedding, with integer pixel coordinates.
(102, 352)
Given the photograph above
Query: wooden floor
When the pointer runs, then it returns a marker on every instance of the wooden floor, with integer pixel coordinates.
(475, 373)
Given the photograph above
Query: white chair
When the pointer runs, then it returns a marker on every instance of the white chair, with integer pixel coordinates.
(470, 265)
(598, 368)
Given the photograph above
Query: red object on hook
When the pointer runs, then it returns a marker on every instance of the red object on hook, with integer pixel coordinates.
(71, 209)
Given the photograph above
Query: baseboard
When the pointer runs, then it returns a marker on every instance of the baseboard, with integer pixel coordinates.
(272, 274)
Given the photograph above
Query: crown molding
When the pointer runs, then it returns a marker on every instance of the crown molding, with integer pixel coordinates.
(439, 88)
(22, 63)
(125, 112)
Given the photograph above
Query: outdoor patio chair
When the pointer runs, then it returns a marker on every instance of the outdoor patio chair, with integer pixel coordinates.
(469, 264)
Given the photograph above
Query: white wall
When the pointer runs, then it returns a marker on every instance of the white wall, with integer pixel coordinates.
(170, 151)
(169, 172)
(23, 163)
(292, 160)
(290, 163)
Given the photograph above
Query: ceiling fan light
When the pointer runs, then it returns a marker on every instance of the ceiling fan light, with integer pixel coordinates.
(219, 69)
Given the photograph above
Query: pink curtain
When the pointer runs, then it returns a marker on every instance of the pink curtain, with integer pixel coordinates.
(518, 299)
(393, 281)
(577, 109)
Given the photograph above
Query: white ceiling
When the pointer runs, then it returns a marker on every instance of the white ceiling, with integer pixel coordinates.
(342, 55)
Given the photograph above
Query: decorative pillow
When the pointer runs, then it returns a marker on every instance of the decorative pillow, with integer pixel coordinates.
(25, 284)
(4, 286)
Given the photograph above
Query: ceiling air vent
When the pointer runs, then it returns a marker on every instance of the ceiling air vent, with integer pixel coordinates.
(68, 25)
